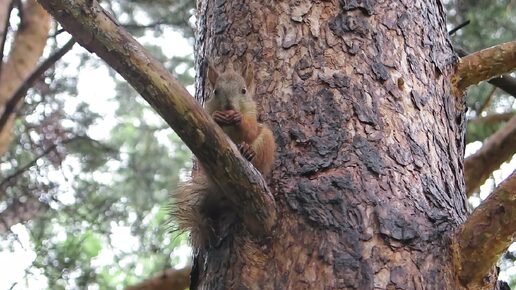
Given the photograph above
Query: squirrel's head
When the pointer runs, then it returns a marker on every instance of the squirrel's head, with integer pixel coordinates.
(232, 90)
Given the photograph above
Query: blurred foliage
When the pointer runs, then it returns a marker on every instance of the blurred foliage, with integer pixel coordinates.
(480, 131)
(103, 223)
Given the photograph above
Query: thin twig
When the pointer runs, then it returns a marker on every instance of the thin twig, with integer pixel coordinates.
(47, 151)
(22, 90)
(460, 26)
(59, 31)
(24, 168)
(143, 26)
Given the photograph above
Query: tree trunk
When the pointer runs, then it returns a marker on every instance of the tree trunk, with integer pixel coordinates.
(369, 172)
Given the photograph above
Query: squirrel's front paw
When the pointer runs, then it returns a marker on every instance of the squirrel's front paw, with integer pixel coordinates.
(220, 117)
(233, 117)
(246, 151)
(228, 117)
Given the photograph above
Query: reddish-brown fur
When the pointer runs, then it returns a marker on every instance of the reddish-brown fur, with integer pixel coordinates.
(199, 206)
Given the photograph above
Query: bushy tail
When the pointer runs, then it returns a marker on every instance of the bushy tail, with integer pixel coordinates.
(196, 207)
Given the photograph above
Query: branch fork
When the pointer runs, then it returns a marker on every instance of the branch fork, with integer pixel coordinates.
(240, 182)
(487, 233)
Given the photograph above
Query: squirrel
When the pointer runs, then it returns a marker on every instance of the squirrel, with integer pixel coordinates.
(199, 206)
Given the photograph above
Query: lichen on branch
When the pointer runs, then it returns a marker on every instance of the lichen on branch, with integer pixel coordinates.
(96, 30)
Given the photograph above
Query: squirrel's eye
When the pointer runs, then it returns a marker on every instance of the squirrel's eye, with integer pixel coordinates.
(215, 92)
(244, 91)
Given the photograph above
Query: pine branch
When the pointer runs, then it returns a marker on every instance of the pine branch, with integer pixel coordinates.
(459, 27)
(503, 82)
(484, 65)
(497, 149)
(9, 179)
(15, 99)
(96, 30)
(487, 233)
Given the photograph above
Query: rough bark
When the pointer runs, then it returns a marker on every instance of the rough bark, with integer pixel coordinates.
(370, 141)
(369, 178)
(497, 149)
(97, 31)
(485, 64)
(170, 279)
(488, 232)
(26, 49)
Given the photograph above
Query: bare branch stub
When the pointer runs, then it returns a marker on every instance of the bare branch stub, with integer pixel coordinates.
(91, 26)
(488, 232)
(484, 65)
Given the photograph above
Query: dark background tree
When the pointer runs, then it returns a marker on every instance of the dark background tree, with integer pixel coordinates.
(142, 168)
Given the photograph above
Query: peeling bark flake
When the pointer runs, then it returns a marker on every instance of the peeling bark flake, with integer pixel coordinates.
(364, 5)
(368, 155)
(380, 71)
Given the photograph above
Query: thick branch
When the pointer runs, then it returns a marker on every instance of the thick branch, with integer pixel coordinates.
(18, 95)
(95, 29)
(488, 232)
(496, 150)
(504, 82)
(485, 64)
(170, 279)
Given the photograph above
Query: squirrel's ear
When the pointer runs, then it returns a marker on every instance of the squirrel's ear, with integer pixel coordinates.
(213, 74)
(248, 74)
